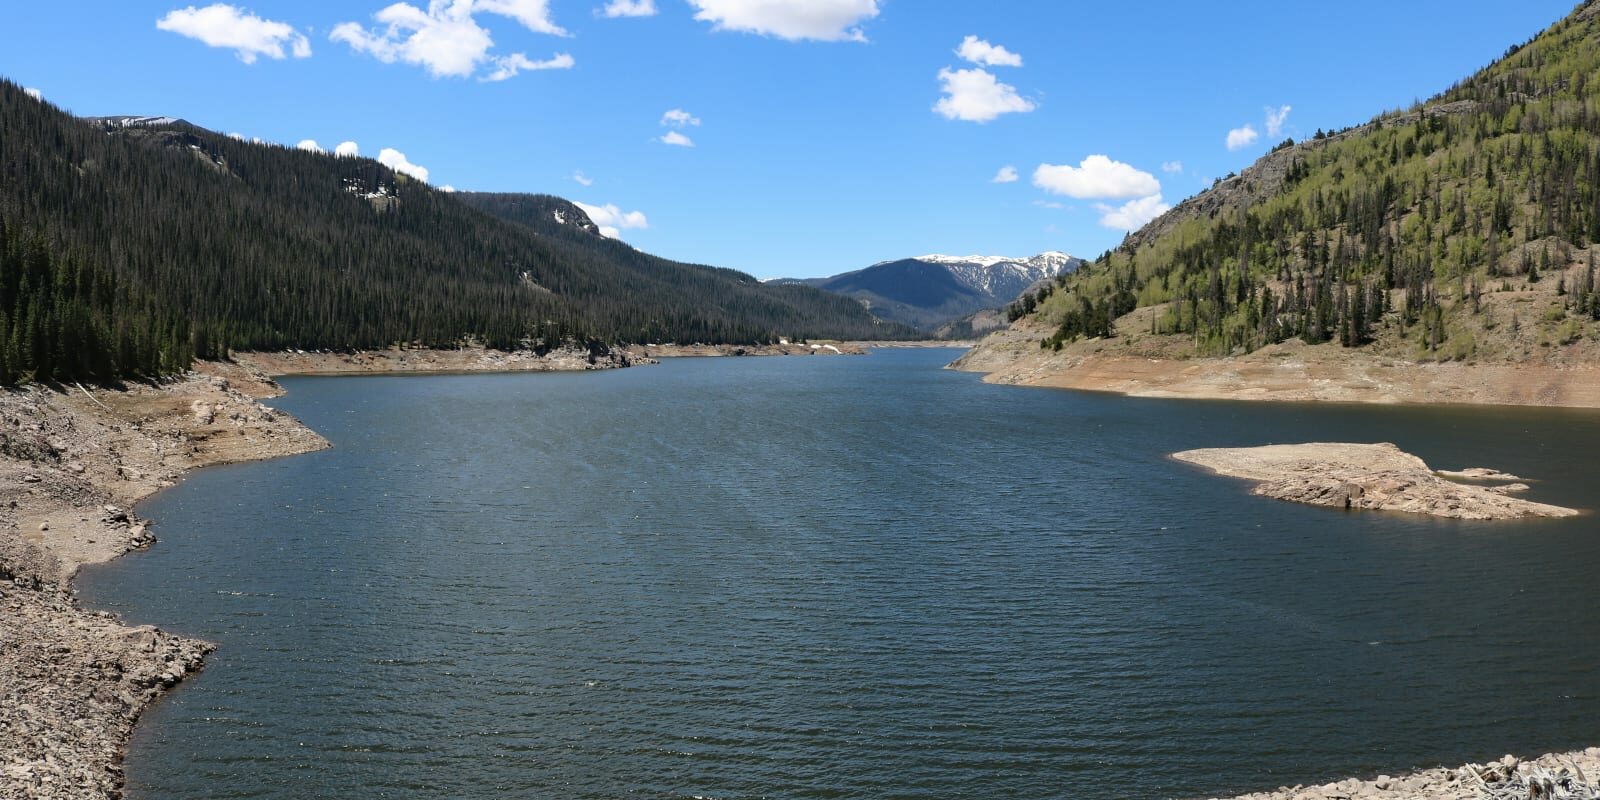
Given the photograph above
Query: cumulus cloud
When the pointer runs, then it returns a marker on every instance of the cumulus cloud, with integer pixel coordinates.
(33, 93)
(1172, 167)
(678, 118)
(582, 179)
(1007, 174)
(508, 66)
(628, 8)
(612, 220)
(1240, 138)
(1275, 119)
(447, 189)
(1096, 177)
(231, 28)
(447, 40)
(533, 14)
(794, 20)
(1132, 215)
(397, 161)
(981, 52)
(677, 139)
(347, 150)
(974, 95)
(310, 146)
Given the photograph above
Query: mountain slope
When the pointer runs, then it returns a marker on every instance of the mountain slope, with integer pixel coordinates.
(1461, 229)
(935, 290)
(125, 247)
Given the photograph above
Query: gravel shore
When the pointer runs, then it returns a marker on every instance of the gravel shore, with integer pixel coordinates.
(73, 462)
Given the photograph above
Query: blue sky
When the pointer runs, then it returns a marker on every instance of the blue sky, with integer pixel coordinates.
(818, 140)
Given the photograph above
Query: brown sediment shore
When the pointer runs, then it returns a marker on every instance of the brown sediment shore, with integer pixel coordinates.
(1288, 372)
(1379, 477)
(817, 348)
(73, 462)
(423, 360)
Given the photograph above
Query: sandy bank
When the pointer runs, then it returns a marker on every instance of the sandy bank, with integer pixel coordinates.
(1380, 477)
(1286, 372)
(72, 464)
(1554, 776)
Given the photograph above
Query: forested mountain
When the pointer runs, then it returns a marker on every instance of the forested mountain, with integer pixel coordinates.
(128, 249)
(1461, 228)
(933, 291)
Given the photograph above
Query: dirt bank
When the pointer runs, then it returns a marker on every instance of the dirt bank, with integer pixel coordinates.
(1285, 372)
(651, 351)
(73, 462)
(465, 359)
(1379, 477)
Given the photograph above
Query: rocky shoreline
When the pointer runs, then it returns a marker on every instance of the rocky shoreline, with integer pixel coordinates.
(1286, 372)
(73, 462)
(1377, 477)
(1553, 776)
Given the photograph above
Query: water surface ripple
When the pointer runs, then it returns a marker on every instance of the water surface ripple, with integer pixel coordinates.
(844, 578)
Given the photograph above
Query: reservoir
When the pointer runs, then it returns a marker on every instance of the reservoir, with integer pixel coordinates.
(845, 577)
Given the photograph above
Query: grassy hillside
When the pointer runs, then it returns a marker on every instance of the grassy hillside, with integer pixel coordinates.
(128, 250)
(1461, 228)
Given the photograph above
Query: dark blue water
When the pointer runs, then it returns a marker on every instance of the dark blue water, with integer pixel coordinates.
(845, 577)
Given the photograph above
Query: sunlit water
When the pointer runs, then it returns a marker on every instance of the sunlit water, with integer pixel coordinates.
(844, 577)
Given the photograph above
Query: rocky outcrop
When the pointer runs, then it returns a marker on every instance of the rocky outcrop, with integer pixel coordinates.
(1378, 477)
(1554, 776)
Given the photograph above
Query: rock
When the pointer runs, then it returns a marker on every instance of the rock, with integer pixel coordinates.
(1363, 476)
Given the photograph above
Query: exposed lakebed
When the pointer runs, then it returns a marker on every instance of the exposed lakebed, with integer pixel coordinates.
(860, 577)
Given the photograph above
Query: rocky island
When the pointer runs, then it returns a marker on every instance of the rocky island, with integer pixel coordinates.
(1379, 477)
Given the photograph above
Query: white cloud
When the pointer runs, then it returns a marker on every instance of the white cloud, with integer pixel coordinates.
(1172, 167)
(612, 220)
(34, 93)
(397, 161)
(678, 118)
(310, 146)
(231, 28)
(347, 149)
(237, 135)
(1275, 119)
(1096, 177)
(1007, 174)
(975, 96)
(1050, 204)
(1240, 138)
(447, 189)
(794, 20)
(582, 179)
(447, 40)
(628, 8)
(677, 139)
(1132, 215)
(533, 14)
(509, 66)
(981, 52)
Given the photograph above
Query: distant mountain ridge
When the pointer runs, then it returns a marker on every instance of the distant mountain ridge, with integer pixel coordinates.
(933, 291)
(130, 245)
